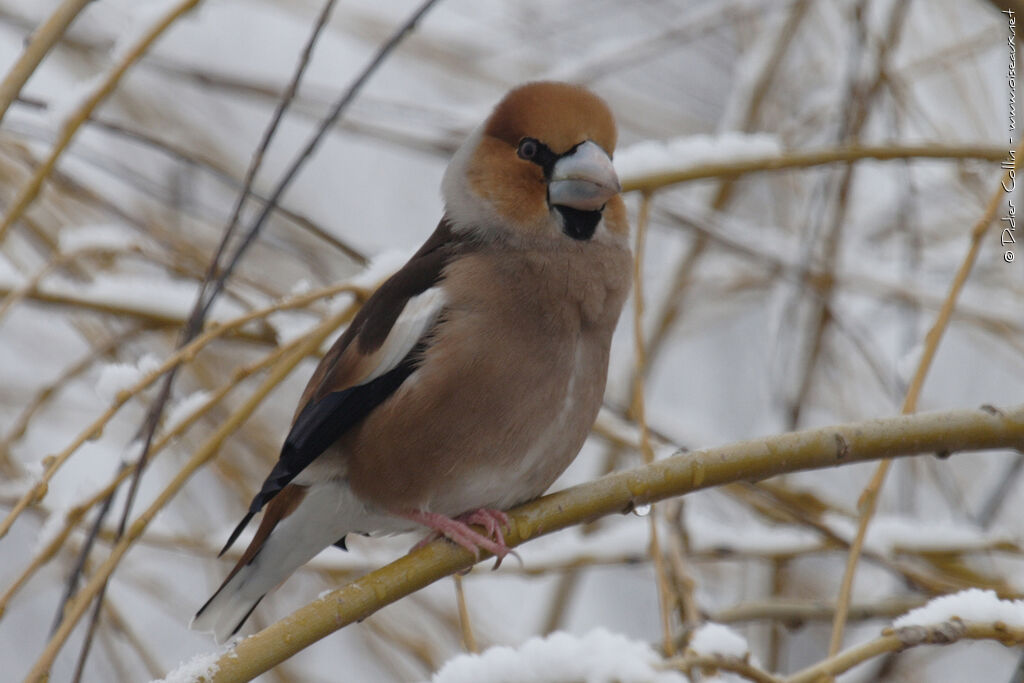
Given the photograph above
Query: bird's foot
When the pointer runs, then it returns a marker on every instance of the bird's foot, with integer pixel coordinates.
(458, 531)
(491, 520)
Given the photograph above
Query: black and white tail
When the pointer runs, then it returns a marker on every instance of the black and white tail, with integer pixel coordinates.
(299, 523)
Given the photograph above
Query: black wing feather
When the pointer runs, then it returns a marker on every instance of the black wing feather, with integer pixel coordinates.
(320, 424)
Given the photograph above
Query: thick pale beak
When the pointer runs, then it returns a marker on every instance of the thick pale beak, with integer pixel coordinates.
(584, 180)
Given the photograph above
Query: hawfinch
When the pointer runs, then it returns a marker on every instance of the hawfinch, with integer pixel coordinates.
(468, 382)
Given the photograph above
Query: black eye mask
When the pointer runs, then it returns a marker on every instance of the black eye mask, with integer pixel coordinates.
(577, 224)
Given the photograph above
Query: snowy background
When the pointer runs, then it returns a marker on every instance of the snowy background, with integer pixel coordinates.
(774, 301)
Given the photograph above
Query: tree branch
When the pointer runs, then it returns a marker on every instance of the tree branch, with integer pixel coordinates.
(961, 430)
(808, 159)
(43, 38)
(28, 191)
(897, 640)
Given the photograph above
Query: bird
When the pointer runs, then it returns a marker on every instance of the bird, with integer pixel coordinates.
(468, 382)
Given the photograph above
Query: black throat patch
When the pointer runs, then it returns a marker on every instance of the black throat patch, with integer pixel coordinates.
(579, 225)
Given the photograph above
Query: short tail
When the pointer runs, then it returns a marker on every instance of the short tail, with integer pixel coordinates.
(297, 524)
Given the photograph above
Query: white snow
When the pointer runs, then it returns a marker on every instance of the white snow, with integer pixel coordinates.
(132, 451)
(718, 639)
(97, 236)
(677, 154)
(146, 295)
(201, 666)
(116, 377)
(597, 657)
(301, 286)
(290, 325)
(973, 604)
(50, 528)
(184, 408)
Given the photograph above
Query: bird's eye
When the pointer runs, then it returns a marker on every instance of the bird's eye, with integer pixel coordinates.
(528, 148)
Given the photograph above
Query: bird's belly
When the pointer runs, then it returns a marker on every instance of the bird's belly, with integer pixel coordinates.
(517, 479)
(492, 446)
(529, 466)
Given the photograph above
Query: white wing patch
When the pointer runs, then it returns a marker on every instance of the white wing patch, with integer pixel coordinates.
(419, 314)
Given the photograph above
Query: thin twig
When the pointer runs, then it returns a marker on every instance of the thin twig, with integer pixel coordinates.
(215, 280)
(468, 639)
(94, 588)
(297, 351)
(1004, 486)
(152, 317)
(767, 71)
(336, 111)
(868, 501)
(28, 191)
(200, 161)
(809, 159)
(211, 286)
(184, 354)
(74, 515)
(32, 406)
(217, 275)
(44, 37)
(637, 410)
(900, 639)
(708, 664)
(794, 613)
(855, 113)
(60, 260)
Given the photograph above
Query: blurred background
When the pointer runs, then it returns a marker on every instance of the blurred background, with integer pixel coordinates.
(775, 300)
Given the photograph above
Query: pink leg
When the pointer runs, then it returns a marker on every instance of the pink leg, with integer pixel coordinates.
(458, 530)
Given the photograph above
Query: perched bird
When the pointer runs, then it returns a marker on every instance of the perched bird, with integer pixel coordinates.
(468, 382)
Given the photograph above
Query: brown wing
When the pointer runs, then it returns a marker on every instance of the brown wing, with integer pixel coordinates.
(362, 369)
(346, 363)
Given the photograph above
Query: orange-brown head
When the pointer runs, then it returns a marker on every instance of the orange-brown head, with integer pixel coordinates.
(540, 166)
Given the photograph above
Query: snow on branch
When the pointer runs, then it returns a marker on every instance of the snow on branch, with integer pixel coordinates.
(654, 168)
(973, 604)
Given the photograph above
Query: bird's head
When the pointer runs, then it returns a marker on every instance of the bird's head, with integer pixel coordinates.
(539, 167)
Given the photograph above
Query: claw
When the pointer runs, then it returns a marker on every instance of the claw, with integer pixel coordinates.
(458, 531)
(491, 520)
